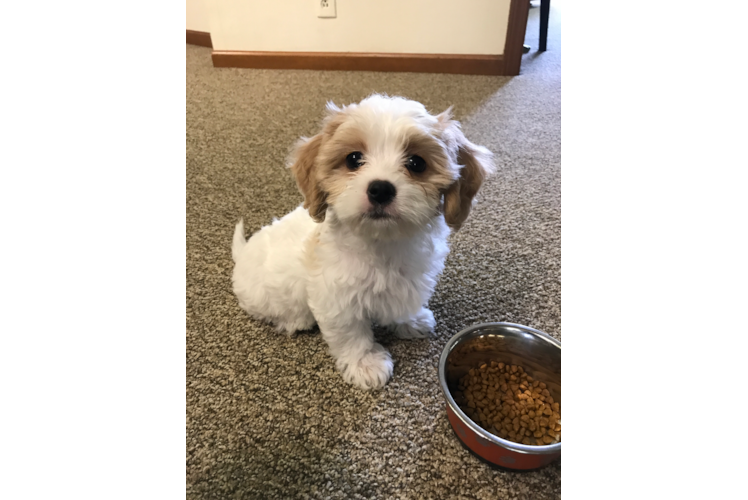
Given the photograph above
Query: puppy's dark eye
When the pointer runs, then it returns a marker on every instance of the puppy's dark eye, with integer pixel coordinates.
(416, 164)
(354, 160)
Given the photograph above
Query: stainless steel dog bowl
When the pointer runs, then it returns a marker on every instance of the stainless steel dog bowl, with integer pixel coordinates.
(537, 352)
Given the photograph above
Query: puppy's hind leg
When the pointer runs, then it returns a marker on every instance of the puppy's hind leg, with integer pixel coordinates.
(298, 320)
(417, 326)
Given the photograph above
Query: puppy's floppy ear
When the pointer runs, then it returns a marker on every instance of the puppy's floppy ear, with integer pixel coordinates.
(305, 172)
(304, 165)
(475, 162)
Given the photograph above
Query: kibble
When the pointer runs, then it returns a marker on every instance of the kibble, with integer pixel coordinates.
(506, 401)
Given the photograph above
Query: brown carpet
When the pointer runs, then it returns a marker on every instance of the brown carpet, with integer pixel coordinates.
(267, 415)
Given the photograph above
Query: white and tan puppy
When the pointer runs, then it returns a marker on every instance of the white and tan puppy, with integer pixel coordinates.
(383, 183)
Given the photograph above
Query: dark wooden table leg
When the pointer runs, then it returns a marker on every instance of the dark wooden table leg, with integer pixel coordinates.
(545, 10)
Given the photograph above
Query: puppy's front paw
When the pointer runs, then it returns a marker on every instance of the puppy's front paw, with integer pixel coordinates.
(371, 371)
(417, 327)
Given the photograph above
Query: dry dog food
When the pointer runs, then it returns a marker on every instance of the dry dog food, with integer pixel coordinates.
(509, 403)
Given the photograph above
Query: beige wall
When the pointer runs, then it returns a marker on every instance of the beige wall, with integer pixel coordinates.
(394, 26)
(197, 15)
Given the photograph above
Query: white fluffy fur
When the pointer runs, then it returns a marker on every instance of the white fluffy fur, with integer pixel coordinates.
(348, 271)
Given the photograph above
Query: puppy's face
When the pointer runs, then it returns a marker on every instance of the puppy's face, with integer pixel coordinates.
(385, 167)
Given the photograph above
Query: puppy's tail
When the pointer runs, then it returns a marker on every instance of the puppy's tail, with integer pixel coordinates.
(239, 240)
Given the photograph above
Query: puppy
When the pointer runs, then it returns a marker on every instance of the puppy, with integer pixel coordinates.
(383, 183)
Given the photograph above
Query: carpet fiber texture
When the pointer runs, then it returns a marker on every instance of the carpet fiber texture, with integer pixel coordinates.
(267, 415)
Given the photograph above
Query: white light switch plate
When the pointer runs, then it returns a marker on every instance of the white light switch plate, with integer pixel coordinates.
(326, 8)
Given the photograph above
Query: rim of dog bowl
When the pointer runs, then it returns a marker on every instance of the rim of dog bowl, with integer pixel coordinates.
(511, 445)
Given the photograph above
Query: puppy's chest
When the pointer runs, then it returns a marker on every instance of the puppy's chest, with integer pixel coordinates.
(389, 276)
(387, 288)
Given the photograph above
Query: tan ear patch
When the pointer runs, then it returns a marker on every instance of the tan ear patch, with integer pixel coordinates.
(477, 165)
(303, 168)
(306, 168)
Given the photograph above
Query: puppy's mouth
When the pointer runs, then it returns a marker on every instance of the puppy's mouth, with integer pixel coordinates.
(378, 214)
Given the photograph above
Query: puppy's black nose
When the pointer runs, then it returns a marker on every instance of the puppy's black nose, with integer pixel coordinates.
(380, 192)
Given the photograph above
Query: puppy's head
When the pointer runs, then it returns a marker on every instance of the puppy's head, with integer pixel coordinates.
(386, 167)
